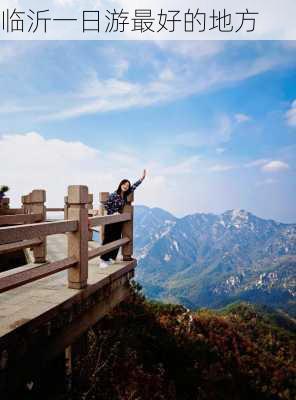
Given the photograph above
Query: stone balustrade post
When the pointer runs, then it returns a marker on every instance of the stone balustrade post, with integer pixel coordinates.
(103, 198)
(37, 200)
(90, 206)
(127, 229)
(4, 203)
(26, 204)
(78, 241)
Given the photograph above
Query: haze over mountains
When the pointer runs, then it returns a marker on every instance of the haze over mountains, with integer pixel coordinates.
(207, 260)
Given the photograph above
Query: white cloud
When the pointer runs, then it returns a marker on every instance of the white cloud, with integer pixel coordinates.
(165, 79)
(291, 114)
(188, 166)
(14, 108)
(36, 162)
(107, 89)
(11, 50)
(121, 67)
(220, 150)
(213, 136)
(221, 168)
(195, 50)
(31, 161)
(275, 166)
(153, 78)
(265, 182)
(240, 118)
(256, 163)
(190, 139)
(53, 164)
(96, 96)
(167, 74)
(225, 128)
(7, 53)
(170, 85)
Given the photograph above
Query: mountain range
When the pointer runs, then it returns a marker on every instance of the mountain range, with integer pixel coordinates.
(208, 260)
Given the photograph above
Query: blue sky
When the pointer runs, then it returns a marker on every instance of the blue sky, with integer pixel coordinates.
(214, 123)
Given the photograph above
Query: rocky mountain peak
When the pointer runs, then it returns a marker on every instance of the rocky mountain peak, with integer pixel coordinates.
(237, 214)
(205, 259)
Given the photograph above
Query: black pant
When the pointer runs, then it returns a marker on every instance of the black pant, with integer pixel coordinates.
(112, 232)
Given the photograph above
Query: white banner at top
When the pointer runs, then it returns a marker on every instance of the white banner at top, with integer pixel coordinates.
(147, 20)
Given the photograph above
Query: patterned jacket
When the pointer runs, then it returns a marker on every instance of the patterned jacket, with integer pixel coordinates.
(115, 203)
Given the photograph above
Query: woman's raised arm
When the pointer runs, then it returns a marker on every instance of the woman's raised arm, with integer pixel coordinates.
(138, 182)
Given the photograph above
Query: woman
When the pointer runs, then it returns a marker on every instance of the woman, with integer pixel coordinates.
(115, 204)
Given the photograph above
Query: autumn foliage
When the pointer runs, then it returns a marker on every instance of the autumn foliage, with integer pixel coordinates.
(152, 351)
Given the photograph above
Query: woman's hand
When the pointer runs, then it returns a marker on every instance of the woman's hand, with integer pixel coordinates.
(144, 175)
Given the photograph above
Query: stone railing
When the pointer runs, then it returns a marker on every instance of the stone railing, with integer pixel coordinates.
(30, 230)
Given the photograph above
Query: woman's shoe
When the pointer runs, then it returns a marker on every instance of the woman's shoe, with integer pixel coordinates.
(103, 264)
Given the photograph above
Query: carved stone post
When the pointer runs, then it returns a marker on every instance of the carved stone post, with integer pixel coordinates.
(78, 241)
(37, 206)
(90, 207)
(103, 198)
(26, 204)
(4, 203)
(127, 229)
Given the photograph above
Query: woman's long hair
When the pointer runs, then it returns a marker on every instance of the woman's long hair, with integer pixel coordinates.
(125, 194)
